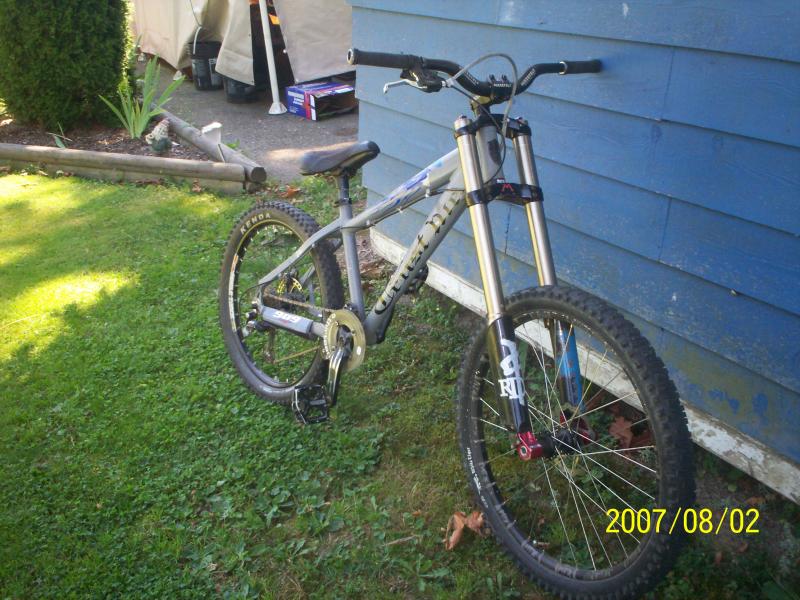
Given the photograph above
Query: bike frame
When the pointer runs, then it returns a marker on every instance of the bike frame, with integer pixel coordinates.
(459, 178)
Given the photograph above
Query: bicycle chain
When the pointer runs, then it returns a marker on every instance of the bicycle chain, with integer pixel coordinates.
(306, 305)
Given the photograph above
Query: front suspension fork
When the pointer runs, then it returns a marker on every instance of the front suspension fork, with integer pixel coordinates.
(501, 339)
(562, 336)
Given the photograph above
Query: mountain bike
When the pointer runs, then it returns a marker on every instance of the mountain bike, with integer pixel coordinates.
(564, 413)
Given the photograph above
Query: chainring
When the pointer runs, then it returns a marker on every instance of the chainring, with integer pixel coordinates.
(345, 319)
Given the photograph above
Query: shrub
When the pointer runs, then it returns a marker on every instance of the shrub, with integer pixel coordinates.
(58, 56)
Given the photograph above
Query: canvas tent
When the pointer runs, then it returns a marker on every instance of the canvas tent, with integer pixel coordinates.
(317, 33)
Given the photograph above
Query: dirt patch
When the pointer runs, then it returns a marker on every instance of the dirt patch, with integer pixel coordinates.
(97, 137)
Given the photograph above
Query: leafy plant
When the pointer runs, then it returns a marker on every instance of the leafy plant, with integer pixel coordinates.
(60, 138)
(135, 113)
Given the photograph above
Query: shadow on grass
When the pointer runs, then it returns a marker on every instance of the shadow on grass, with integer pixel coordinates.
(134, 461)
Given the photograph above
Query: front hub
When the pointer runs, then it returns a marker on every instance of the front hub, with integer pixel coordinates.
(565, 440)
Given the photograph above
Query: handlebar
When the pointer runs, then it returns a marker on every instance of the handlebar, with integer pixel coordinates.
(498, 91)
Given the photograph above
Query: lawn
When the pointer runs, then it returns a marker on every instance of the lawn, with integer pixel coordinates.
(136, 464)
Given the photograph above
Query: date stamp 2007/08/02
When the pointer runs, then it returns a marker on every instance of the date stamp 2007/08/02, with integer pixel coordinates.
(690, 520)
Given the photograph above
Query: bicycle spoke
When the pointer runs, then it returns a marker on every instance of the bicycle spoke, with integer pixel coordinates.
(591, 520)
(494, 425)
(602, 466)
(616, 451)
(558, 510)
(577, 510)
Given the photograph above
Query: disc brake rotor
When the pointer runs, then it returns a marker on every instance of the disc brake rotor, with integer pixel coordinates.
(344, 319)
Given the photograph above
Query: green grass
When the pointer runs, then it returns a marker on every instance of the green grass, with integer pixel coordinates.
(134, 462)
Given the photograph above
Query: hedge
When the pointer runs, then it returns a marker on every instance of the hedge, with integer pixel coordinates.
(58, 56)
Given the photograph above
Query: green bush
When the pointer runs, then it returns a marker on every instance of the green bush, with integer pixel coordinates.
(58, 56)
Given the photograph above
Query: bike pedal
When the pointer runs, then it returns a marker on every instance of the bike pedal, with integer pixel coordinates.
(310, 404)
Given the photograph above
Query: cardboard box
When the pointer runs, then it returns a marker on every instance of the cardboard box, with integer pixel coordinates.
(316, 101)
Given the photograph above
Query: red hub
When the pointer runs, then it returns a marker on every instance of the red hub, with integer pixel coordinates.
(527, 446)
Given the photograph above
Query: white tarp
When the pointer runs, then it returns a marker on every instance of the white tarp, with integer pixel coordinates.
(317, 33)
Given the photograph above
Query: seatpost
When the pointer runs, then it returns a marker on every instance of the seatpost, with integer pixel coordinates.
(349, 243)
(501, 341)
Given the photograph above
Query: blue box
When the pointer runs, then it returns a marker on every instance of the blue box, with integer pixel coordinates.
(316, 101)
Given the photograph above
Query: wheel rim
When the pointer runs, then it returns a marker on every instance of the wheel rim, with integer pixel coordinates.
(556, 507)
(279, 358)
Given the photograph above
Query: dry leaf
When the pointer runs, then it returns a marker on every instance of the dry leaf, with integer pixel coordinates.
(476, 523)
(455, 530)
(755, 501)
(742, 547)
(458, 522)
(416, 513)
(289, 191)
(621, 429)
(643, 439)
(196, 187)
(718, 557)
(143, 182)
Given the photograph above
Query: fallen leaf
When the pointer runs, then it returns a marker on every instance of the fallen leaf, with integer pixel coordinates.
(289, 191)
(718, 557)
(196, 187)
(458, 522)
(416, 513)
(621, 429)
(755, 501)
(643, 439)
(476, 523)
(742, 547)
(455, 530)
(144, 182)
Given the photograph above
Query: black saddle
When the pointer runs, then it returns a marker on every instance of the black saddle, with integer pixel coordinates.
(337, 160)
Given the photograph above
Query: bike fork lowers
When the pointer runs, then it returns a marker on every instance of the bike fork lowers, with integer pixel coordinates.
(501, 339)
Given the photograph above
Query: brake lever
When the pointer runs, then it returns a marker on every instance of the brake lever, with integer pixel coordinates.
(391, 84)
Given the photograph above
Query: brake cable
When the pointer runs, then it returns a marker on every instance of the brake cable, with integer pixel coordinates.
(451, 81)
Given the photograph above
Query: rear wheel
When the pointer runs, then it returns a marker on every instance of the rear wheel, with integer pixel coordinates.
(272, 361)
(624, 447)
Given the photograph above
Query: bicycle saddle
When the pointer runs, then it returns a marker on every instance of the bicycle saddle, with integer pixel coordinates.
(337, 159)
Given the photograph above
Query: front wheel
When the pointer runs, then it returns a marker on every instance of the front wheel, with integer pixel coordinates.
(623, 447)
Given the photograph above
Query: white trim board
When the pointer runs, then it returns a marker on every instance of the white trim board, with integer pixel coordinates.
(748, 454)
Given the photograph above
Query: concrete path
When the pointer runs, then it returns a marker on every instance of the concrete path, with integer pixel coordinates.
(275, 141)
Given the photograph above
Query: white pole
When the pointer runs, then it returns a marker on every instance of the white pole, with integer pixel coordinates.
(277, 107)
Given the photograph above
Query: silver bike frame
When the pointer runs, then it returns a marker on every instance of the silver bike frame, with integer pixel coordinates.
(444, 176)
(459, 177)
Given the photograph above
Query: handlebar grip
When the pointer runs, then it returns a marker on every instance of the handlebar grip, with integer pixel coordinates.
(575, 67)
(382, 59)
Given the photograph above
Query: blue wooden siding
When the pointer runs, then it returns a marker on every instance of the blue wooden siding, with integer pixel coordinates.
(672, 180)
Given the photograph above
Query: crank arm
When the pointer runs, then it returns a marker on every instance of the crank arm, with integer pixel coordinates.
(334, 371)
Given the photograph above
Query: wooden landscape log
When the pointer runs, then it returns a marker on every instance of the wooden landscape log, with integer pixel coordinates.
(254, 171)
(124, 167)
